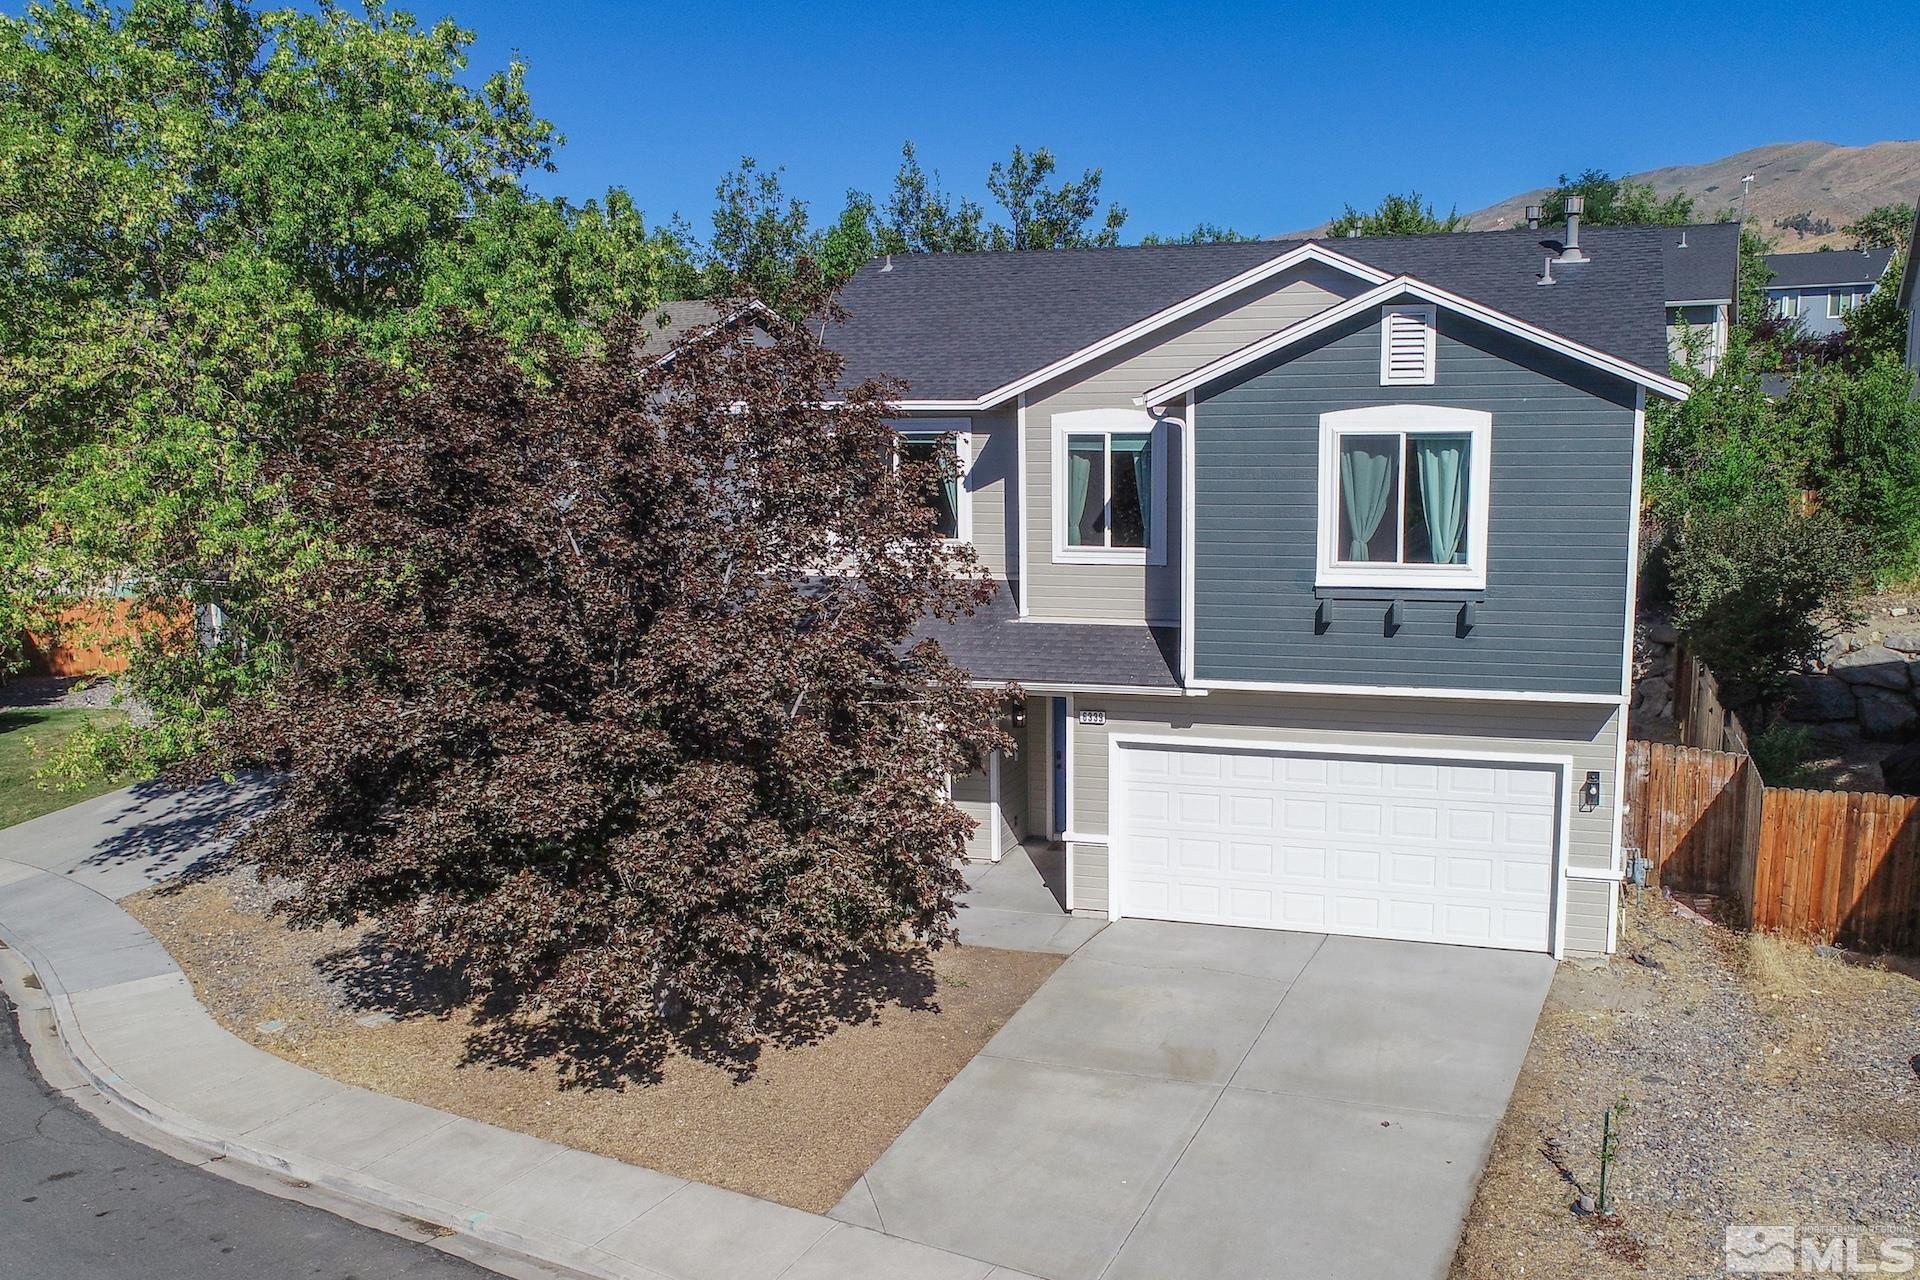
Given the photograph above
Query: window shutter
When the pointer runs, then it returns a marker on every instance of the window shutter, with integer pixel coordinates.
(1406, 346)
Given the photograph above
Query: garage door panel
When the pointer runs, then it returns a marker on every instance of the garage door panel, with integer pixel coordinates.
(1423, 850)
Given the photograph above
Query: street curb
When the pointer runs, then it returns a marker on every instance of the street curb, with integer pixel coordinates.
(553, 1258)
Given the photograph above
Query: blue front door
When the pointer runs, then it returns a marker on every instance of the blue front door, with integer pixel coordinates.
(1059, 740)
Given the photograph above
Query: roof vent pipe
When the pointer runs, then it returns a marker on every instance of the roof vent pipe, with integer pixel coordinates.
(1570, 252)
(889, 265)
(1546, 272)
(1533, 217)
(1683, 237)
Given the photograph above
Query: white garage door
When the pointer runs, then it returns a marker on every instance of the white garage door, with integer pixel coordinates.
(1428, 850)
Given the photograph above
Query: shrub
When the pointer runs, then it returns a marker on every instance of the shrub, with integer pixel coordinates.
(1780, 752)
(1758, 589)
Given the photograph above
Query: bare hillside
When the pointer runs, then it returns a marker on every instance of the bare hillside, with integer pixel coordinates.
(1803, 192)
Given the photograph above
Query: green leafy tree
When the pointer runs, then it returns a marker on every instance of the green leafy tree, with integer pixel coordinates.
(1888, 225)
(919, 217)
(1043, 216)
(1397, 215)
(1876, 330)
(1758, 589)
(1204, 233)
(194, 197)
(1616, 202)
(582, 718)
(760, 236)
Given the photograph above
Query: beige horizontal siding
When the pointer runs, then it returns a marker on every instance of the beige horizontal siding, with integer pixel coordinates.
(1586, 734)
(1137, 593)
(973, 794)
(1587, 903)
(991, 488)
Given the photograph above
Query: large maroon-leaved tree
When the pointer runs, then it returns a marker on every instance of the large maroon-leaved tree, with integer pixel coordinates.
(603, 694)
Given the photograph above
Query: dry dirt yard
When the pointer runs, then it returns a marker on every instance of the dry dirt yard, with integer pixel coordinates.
(800, 1129)
(1763, 1082)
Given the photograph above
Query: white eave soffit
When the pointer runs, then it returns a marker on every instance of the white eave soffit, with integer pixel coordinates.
(1391, 291)
(1309, 252)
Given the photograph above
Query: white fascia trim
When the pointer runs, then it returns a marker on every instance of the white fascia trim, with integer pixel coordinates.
(1394, 691)
(1020, 498)
(1592, 873)
(1700, 302)
(1116, 818)
(1189, 448)
(1402, 286)
(1105, 622)
(1206, 297)
(752, 307)
(1080, 686)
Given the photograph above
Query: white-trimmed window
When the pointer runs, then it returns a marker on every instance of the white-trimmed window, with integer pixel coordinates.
(922, 440)
(1407, 346)
(1841, 301)
(1403, 497)
(1110, 490)
(1787, 305)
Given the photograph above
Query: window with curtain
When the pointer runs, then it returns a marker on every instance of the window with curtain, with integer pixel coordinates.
(941, 489)
(1109, 489)
(1404, 498)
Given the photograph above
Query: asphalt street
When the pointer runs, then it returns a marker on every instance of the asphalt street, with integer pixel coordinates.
(78, 1202)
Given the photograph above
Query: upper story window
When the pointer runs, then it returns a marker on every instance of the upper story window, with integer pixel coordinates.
(929, 439)
(1403, 497)
(1407, 346)
(1841, 301)
(1109, 495)
(1787, 304)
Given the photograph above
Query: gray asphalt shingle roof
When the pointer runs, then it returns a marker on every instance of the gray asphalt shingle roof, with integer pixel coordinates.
(1828, 270)
(1707, 269)
(956, 326)
(996, 644)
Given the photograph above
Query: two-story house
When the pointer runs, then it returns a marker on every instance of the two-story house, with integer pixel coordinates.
(1318, 565)
(1701, 268)
(1820, 289)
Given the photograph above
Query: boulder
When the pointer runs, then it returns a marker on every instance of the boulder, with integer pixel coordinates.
(1653, 693)
(1904, 642)
(1660, 631)
(1819, 698)
(1902, 770)
(1876, 665)
(1886, 716)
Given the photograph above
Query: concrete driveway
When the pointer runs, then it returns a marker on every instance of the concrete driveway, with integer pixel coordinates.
(1199, 1101)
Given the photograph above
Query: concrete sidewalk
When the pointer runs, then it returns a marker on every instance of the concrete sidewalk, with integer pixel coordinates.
(130, 1020)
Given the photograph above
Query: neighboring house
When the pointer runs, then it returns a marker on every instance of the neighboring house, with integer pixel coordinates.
(1910, 296)
(1819, 289)
(1702, 273)
(1318, 566)
(672, 325)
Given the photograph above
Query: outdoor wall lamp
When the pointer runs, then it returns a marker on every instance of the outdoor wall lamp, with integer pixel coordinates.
(1590, 791)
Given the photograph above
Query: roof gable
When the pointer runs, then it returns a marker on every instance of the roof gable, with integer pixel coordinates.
(1828, 270)
(970, 330)
(1396, 290)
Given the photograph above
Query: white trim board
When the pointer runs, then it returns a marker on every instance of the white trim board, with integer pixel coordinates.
(1116, 791)
(1398, 287)
(1394, 691)
(1310, 252)
(1405, 421)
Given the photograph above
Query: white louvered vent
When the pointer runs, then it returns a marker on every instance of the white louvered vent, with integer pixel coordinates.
(1406, 346)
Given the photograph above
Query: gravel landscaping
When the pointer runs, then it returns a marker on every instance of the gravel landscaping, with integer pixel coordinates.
(1763, 1082)
(799, 1126)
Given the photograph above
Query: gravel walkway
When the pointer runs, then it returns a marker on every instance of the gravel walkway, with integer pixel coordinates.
(1762, 1083)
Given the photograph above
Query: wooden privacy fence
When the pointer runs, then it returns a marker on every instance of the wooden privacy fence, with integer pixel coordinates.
(1703, 720)
(1833, 866)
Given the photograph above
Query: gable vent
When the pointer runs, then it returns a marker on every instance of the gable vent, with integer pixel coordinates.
(1406, 346)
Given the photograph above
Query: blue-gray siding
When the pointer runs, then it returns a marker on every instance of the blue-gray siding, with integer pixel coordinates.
(1553, 615)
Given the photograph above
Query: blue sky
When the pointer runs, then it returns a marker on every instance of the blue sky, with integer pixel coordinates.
(1263, 117)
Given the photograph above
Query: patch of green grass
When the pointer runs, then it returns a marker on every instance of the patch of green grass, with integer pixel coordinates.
(28, 735)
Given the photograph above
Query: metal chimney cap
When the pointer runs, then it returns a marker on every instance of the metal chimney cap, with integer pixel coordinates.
(1533, 212)
(1576, 204)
